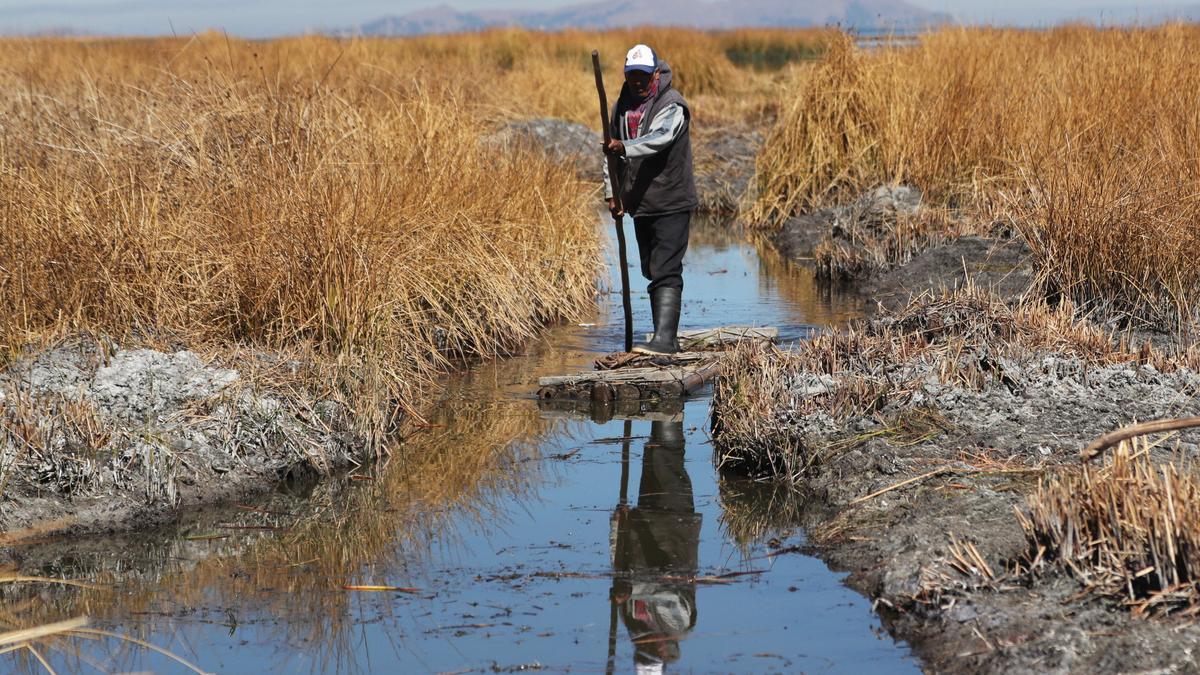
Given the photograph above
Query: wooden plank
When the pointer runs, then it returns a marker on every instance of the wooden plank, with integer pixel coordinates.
(622, 376)
(725, 335)
(628, 377)
(630, 383)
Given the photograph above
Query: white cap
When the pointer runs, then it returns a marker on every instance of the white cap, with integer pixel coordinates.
(641, 58)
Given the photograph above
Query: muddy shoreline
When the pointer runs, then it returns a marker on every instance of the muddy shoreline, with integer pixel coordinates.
(915, 495)
(99, 438)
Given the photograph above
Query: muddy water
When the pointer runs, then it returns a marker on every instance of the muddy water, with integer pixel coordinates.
(520, 538)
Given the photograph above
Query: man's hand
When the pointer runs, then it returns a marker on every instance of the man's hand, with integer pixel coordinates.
(615, 147)
(616, 211)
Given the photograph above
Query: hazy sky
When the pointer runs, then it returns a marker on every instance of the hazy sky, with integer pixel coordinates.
(273, 17)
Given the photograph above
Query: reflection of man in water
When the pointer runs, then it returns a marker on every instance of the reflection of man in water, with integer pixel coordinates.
(657, 544)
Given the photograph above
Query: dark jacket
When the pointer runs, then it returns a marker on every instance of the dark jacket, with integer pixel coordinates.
(664, 182)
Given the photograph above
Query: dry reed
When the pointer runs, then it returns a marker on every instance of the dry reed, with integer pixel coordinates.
(1127, 530)
(1083, 137)
(277, 195)
(325, 197)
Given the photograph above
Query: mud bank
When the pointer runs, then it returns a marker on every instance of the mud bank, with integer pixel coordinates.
(98, 438)
(915, 436)
(888, 246)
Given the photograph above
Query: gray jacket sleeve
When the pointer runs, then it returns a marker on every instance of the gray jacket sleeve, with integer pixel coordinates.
(608, 191)
(667, 125)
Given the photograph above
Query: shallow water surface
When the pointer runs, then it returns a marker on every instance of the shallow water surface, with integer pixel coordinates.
(521, 537)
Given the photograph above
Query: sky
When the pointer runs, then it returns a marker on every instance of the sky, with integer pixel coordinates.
(260, 18)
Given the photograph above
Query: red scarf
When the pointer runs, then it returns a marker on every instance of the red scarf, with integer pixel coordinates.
(633, 118)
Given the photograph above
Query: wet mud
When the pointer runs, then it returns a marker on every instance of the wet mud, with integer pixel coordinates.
(981, 254)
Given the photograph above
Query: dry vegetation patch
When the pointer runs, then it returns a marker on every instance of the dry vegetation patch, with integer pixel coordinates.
(332, 195)
(1003, 125)
(771, 404)
(302, 193)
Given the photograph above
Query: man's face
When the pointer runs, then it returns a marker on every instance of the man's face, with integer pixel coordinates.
(639, 82)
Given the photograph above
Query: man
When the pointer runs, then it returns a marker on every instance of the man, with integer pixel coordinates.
(650, 133)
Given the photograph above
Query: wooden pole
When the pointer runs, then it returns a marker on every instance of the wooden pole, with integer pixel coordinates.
(623, 497)
(622, 504)
(614, 177)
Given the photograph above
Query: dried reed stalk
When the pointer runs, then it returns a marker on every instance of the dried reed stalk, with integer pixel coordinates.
(764, 397)
(1129, 529)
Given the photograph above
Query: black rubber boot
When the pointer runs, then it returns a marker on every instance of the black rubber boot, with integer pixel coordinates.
(654, 311)
(667, 434)
(665, 304)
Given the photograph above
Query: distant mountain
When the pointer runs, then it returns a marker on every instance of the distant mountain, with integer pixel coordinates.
(1024, 15)
(1131, 14)
(863, 15)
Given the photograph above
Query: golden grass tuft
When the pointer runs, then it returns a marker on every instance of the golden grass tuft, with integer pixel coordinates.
(275, 195)
(1083, 137)
(1127, 530)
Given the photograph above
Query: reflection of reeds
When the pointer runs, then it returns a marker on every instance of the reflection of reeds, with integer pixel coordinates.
(35, 645)
(1128, 529)
(463, 471)
(752, 511)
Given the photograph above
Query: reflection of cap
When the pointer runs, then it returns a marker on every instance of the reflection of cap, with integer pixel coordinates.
(641, 58)
(650, 668)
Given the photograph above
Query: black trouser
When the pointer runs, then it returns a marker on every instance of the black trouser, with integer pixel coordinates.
(662, 241)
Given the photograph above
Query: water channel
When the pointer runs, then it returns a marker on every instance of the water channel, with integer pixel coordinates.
(514, 537)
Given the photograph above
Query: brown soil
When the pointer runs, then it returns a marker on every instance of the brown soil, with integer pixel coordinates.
(999, 265)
